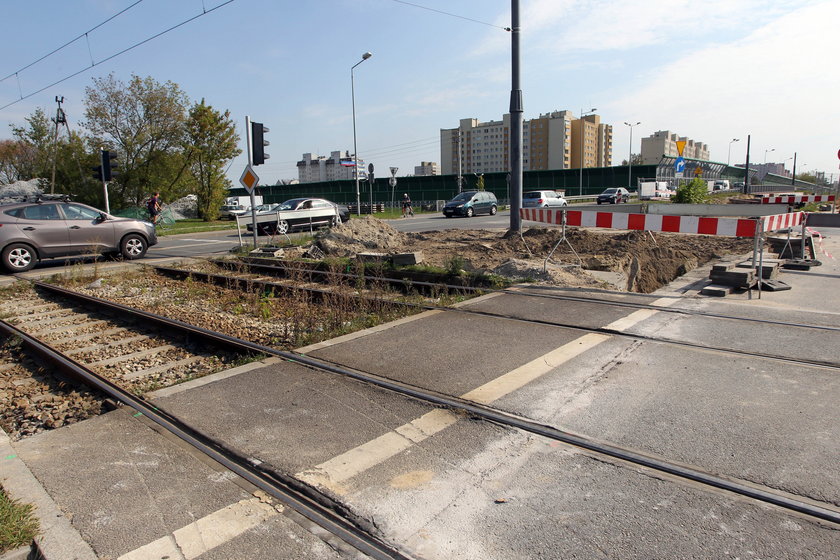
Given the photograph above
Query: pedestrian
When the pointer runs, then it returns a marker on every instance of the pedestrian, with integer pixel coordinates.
(153, 206)
(406, 206)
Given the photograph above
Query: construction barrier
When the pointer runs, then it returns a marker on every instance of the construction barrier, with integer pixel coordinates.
(730, 227)
(797, 198)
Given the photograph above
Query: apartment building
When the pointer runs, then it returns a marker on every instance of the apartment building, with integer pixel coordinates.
(427, 168)
(664, 142)
(548, 142)
(338, 166)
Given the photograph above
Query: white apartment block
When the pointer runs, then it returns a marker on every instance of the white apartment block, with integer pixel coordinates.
(427, 168)
(548, 142)
(664, 142)
(314, 169)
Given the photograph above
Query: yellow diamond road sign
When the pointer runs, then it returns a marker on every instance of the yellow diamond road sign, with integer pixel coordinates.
(680, 146)
(249, 179)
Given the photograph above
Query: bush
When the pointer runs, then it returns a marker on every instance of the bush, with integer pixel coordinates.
(694, 192)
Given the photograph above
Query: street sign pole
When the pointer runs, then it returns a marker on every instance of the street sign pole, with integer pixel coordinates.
(370, 185)
(393, 182)
(250, 191)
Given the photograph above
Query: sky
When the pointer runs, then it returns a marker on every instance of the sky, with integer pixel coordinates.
(713, 70)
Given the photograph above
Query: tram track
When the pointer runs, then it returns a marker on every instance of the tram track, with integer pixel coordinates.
(800, 505)
(320, 294)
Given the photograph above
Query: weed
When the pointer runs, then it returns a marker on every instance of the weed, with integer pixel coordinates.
(455, 265)
(18, 524)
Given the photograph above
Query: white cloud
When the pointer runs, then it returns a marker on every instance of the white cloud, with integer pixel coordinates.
(773, 84)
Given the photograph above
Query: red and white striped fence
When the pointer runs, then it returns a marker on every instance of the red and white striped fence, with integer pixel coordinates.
(730, 227)
(797, 198)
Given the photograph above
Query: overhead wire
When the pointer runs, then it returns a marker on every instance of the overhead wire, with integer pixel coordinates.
(451, 14)
(71, 41)
(134, 46)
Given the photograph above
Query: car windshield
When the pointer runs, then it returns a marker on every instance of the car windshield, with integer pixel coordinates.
(464, 196)
(290, 204)
(533, 194)
(610, 191)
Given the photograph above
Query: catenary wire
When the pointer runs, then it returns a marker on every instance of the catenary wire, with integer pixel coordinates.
(451, 14)
(70, 42)
(135, 45)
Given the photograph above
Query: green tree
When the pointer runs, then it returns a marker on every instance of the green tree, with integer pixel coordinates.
(694, 192)
(211, 143)
(30, 157)
(636, 158)
(143, 122)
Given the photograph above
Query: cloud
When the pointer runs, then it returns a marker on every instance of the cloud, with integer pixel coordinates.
(773, 84)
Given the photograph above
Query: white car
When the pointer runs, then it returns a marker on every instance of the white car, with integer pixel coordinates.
(542, 199)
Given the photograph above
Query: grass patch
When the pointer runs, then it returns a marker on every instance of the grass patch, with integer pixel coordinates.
(195, 226)
(18, 525)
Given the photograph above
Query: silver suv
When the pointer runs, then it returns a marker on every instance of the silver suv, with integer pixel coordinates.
(43, 229)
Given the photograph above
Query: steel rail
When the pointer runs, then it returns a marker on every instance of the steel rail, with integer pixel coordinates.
(581, 299)
(283, 490)
(228, 280)
(490, 414)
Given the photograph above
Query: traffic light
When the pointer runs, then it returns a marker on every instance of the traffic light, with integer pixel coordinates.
(97, 172)
(258, 142)
(108, 165)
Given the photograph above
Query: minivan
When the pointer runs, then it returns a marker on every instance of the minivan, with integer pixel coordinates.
(470, 203)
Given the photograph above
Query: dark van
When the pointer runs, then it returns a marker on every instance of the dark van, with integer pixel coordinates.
(470, 203)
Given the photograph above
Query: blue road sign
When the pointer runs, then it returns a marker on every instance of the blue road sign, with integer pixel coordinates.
(679, 165)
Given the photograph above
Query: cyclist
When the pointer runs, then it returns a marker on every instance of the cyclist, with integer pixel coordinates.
(406, 206)
(153, 205)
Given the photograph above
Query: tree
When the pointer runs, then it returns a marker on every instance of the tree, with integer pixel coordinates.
(211, 143)
(143, 122)
(695, 192)
(29, 155)
(635, 158)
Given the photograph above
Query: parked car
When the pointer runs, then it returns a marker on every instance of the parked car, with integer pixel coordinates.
(299, 213)
(45, 229)
(542, 199)
(614, 195)
(230, 211)
(470, 203)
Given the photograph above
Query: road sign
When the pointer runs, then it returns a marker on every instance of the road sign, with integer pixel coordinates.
(679, 165)
(680, 146)
(392, 181)
(698, 171)
(249, 179)
(394, 171)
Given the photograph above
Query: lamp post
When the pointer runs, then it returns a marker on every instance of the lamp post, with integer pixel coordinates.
(729, 152)
(766, 152)
(630, 155)
(582, 134)
(365, 56)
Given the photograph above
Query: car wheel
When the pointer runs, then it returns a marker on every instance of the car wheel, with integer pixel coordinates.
(493, 210)
(19, 257)
(599, 203)
(282, 227)
(470, 213)
(133, 247)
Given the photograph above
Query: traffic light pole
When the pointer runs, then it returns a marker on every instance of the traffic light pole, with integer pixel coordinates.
(250, 162)
(102, 163)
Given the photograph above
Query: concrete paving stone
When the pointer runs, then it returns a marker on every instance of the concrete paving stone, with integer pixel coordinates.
(527, 497)
(290, 416)
(448, 352)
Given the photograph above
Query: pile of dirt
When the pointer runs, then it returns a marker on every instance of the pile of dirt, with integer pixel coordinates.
(646, 260)
(359, 235)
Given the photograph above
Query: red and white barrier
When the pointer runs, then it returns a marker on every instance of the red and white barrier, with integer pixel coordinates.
(798, 198)
(730, 227)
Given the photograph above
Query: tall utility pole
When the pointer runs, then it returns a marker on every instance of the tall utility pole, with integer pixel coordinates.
(457, 141)
(58, 120)
(793, 175)
(365, 56)
(516, 110)
(747, 168)
(630, 157)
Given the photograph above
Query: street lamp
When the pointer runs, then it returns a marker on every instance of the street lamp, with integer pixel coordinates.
(630, 155)
(729, 152)
(766, 152)
(582, 134)
(365, 56)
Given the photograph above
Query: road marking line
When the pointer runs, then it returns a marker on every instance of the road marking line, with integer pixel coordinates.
(332, 473)
(637, 317)
(206, 533)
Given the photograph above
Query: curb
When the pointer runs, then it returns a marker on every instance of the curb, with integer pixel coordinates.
(57, 537)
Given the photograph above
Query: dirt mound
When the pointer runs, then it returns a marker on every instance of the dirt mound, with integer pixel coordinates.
(646, 260)
(360, 235)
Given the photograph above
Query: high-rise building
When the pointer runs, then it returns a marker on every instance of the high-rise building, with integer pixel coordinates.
(427, 168)
(664, 143)
(313, 169)
(548, 142)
